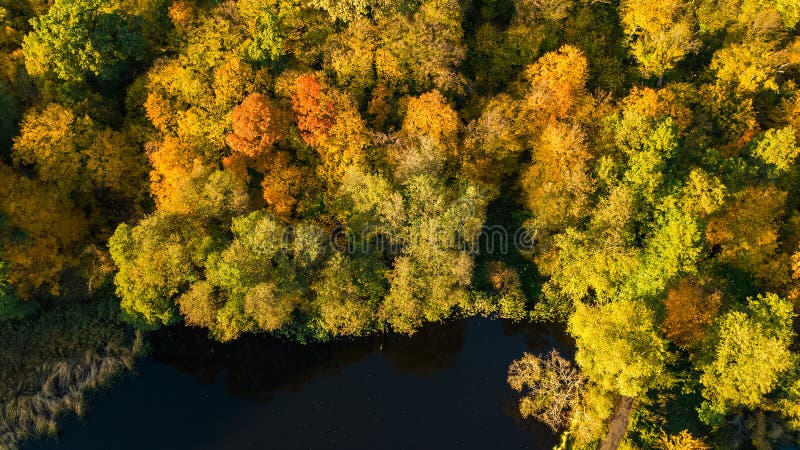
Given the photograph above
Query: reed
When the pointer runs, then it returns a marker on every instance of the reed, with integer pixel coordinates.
(49, 364)
(67, 381)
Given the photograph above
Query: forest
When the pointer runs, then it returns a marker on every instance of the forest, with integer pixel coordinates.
(327, 170)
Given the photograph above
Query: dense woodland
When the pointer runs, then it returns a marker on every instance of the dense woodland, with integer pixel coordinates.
(324, 169)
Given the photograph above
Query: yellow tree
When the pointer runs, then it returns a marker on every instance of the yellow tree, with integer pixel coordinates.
(52, 232)
(557, 184)
(747, 232)
(430, 117)
(661, 33)
(555, 86)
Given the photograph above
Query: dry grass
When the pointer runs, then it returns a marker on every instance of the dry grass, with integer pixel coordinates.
(47, 366)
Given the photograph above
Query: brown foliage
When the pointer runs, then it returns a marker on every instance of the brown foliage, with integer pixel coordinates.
(380, 105)
(502, 277)
(690, 310)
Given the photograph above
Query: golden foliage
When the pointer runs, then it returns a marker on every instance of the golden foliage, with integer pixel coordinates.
(557, 184)
(267, 308)
(172, 162)
(198, 305)
(53, 232)
(282, 184)
(556, 83)
(747, 233)
(682, 441)
(429, 116)
(690, 310)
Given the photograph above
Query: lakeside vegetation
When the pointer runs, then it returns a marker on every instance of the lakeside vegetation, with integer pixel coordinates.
(327, 169)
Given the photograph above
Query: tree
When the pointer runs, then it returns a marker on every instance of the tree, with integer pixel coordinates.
(267, 46)
(283, 183)
(751, 66)
(661, 33)
(199, 305)
(552, 388)
(422, 52)
(348, 293)
(157, 259)
(555, 85)
(682, 441)
(492, 143)
(430, 117)
(348, 10)
(510, 297)
(747, 233)
(257, 125)
(435, 225)
(172, 162)
(553, 10)
(672, 250)
(43, 233)
(11, 306)
(736, 15)
(557, 184)
(619, 347)
(165, 254)
(749, 352)
(314, 111)
(704, 194)
(778, 149)
(207, 196)
(261, 275)
(83, 38)
(268, 309)
(346, 142)
(77, 155)
(690, 311)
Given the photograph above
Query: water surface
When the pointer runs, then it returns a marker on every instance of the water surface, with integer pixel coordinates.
(443, 388)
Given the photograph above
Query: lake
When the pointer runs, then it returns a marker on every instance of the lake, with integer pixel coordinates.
(442, 388)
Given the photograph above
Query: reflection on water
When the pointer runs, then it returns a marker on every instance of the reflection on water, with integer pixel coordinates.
(442, 388)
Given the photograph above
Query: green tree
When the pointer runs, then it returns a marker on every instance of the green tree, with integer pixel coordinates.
(778, 149)
(267, 44)
(160, 257)
(83, 38)
(157, 260)
(348, 293)
(748, 354)
(263, 274)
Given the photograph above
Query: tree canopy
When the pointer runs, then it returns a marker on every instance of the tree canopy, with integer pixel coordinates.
(331, 169)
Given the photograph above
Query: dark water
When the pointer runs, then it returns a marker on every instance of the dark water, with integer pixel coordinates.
(443, 388)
